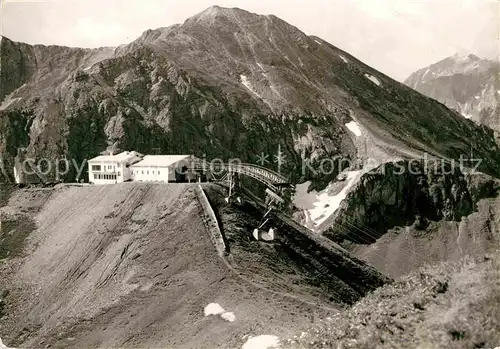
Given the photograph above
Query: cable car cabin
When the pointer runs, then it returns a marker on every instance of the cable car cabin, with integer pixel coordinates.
(264, 235)
(265, 231)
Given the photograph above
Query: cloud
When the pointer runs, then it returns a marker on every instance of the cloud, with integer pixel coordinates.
(31, 1)
(388, 9)
(379, 9)
(96, 32)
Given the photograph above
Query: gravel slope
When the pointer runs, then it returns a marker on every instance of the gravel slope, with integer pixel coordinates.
(132, 265)
(451, 305)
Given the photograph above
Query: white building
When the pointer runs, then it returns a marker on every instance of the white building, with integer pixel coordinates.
(164, 168)
(109, 169)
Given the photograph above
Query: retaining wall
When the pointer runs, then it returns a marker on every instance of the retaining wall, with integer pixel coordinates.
(210, 221)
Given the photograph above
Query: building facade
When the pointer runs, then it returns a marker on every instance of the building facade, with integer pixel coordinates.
(164, 168)
(110, 169)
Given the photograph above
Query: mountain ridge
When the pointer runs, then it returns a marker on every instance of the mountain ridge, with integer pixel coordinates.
(230, 87)
(467, 84)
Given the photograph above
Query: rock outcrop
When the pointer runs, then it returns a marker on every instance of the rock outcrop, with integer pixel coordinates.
(404, 194)
(398, 220)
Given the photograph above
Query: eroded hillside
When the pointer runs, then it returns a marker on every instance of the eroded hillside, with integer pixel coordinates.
(449, 305)
(399, 222)
(132, 265)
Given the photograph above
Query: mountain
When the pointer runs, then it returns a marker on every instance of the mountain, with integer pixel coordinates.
(225, 83)
(468, 84)
(133, 265)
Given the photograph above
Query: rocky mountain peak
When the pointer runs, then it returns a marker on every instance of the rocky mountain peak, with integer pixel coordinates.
(216, 11)
(465, 83)
(237, 20)
(465, 57)
(222, 18)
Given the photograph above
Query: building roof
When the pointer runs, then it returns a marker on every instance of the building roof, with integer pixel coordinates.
(124, 156)
(160, 160)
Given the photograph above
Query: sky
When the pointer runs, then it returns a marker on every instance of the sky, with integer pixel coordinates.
(397, 37)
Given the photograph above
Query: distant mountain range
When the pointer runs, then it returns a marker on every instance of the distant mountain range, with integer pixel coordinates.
(468, 84)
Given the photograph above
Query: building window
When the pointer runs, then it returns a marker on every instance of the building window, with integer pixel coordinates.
(148, 172)
(142, 172)
(119, 174)
(158, 172)
(96, 168)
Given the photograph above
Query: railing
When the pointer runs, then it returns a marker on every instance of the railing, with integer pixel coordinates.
(259, 173)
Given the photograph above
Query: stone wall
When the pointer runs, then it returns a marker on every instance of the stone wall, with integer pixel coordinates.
(210, 220)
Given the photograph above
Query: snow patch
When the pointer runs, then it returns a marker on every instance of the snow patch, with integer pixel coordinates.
(319, 206)
(425, 74)
(248, 85)
(318, 42)
(228, 316)
(213, 309)
(327, 204)
(260, 66)
(3, 346)
(216, 309)
(477, 97)
(344, 59)
(373, 79)
(464, 110)
(354, 128)
(498, 91)
(261, 342)
(8, 101)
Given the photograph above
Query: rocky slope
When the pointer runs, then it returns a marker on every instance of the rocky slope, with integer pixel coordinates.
(132, 265)
(468, 84)
(451, 305)
(224, 83)
(398, 219)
